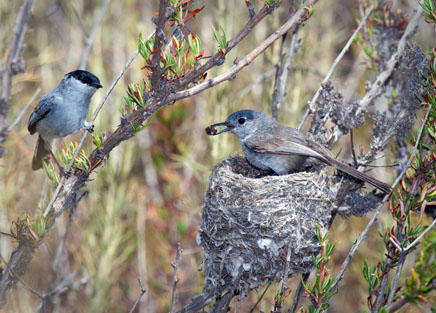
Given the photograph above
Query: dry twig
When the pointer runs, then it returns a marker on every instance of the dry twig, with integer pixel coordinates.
(175, 265)
(143, 291)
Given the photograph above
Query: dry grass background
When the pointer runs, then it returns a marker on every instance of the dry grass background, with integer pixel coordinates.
(149, 195)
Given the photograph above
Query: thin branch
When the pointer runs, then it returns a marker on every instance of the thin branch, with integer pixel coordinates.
(24, 109)
(277, 76)
(91, 36)
(398, 305)
(261, 297)
(299, 292)
(396, 278)
(250, 8)
(365, 28)
(353, 153)
(362, 235)
(143, 291)
(175, 265)
(230, 73)
(418, 239)
(26, 286)
(157, 47)
(381, 165)
(332, 68)
(399, 248)
(280, 83)
(286, 272)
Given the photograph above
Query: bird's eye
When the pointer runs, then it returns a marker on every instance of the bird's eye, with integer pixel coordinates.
(241, 120)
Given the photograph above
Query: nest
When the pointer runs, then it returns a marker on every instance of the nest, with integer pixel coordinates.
(250, 226)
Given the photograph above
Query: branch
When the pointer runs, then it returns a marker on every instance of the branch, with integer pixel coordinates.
(301, 14)
(13, 66)
(157, 47)
(217, 59)
(332, 68)
(143, 291)
(418, 239)
(261, 297)
(91, 36)
(26, 285)
(395, 282)
(280, 80)
(299, 292)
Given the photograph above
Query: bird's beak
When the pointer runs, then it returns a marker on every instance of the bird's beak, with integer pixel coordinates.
(98, 86)
(212, 131)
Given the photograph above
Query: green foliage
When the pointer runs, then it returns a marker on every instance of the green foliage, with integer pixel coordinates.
(97, 140)
(321, 290)
(27, 228)
(419, 286)
(429, 8)
(50, 170)
(221, 38)
(66, 154)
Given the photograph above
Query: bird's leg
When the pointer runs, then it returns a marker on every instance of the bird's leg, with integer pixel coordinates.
(88, 127)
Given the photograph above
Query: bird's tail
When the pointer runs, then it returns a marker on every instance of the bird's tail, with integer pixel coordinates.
(40, 153)
(362, 176)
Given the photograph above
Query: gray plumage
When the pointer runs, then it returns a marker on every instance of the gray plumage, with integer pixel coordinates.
(62, 111)
(271, 146)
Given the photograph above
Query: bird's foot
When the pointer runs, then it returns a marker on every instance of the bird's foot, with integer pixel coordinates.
(65, 173)
(88, 127)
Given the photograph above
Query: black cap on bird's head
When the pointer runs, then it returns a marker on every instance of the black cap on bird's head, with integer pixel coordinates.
(85, 77)
(235, 122)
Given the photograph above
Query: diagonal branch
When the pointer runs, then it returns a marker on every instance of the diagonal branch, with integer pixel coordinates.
(280, 81)
(217, 59)
(300, 15)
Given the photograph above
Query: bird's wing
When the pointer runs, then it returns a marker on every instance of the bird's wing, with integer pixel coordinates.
(294, 143)
(44, 106)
